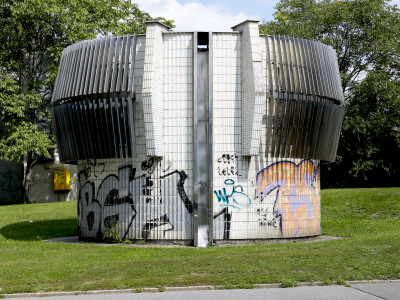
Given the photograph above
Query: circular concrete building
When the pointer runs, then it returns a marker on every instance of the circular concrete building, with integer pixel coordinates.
(198, 137)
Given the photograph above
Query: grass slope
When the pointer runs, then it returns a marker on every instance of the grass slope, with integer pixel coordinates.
(369, 219)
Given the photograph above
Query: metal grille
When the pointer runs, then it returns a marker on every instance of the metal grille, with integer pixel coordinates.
(96, 67)
(305, 98)
(303, 128)
(303, 67)
(102, 128)
(92, 99)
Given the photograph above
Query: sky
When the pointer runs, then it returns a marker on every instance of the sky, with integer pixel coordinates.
(211, 15)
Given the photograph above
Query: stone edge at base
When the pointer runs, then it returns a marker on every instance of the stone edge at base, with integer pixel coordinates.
(184, 288)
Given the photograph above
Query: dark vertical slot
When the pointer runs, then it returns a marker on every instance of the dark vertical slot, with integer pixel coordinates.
(64, 133)
(315, 129)
(268, 143)
(57, 127)
(103, 128)
(321, 126)
(72, 130)
(280, 125)
(131, 114)
(288, 123)
(78, 113)
(78, 133)
(115, 131)
(302, 128)
(119, 126)
(107, 129)
(110, 128)
(275, 129)
(297, 128)
(89, 129)
(125, 118)
(292, 121)
(94, 129)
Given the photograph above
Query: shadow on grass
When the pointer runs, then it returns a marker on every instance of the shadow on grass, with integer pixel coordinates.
(39, 230)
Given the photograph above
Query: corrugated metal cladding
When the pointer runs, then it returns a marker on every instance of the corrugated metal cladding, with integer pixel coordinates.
(198, 137)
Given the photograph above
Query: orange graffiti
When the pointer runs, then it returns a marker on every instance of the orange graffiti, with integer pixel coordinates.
(298, 196)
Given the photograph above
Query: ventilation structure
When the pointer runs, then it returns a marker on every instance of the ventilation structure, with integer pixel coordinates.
(93, 97)
(198, 137)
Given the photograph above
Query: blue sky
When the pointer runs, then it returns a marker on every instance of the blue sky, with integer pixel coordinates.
(211, 15)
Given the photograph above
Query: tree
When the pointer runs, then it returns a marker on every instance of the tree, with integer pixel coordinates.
(366, 37)
(33, 35)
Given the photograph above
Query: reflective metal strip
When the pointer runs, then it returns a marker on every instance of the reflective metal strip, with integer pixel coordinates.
(276, 87)
(269, 68)
(131, 82)
(109, 69)
(293, 66)
(99, 70)
(125, 71)
(104, 65)
(67, 74)
(115, 66)
(299, 66)
(81, 66)
(315, 64)
(281, 72)
(121, 64)
(303, 62)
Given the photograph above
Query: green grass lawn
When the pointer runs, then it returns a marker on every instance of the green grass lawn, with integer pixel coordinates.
(368, 219)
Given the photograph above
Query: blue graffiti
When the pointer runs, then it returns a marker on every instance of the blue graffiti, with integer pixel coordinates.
(236, 199)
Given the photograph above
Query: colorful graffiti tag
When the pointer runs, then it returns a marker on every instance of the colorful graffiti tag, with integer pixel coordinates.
(236, 198)
(298, 196)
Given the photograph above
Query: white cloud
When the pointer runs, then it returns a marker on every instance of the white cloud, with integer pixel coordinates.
(194, 16)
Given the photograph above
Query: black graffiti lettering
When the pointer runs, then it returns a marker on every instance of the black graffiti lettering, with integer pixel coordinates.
(264, 221)
(181, 190)
(93, 167)
(151, 224)
(148, 188)
(111, 221)
(227, 221)
(228, 171)
(114, 191)
(90, 220)
(147, 164)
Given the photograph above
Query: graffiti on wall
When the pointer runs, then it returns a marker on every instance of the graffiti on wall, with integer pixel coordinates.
(297, 198)
(264, 220)
(93, 168)
(224, 218)
(136, 203)
(234, 197)
(227, 165)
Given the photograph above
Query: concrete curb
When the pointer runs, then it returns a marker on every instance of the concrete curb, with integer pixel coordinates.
(183, 288)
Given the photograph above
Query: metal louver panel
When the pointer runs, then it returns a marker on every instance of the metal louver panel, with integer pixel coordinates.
(92, 99)
(107, 132)
(305, 99)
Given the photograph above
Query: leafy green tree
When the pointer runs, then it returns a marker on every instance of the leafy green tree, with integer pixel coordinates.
(366, 37)
(33, 35)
